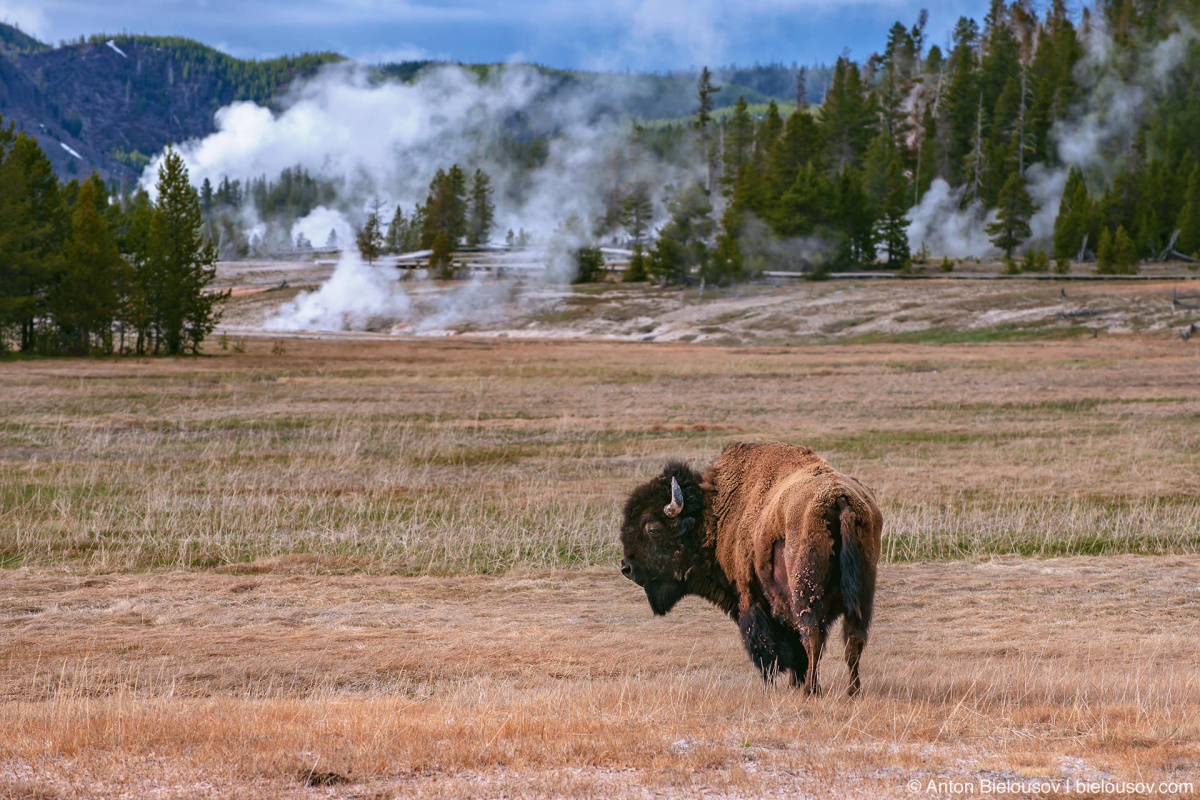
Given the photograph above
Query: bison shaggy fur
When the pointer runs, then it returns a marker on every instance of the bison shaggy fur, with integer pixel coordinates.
(775, 537)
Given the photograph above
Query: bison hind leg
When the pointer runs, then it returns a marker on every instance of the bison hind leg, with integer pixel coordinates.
(771, 645)
(855, 642)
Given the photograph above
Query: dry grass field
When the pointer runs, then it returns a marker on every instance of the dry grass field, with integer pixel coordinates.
(356, 568)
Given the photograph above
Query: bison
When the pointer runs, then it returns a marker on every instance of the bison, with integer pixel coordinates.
(772, 535)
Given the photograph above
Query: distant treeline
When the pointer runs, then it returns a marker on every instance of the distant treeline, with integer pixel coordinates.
(81, 274)
(831, 186)
(235, 78)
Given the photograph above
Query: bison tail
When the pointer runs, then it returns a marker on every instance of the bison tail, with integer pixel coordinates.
(857, 580)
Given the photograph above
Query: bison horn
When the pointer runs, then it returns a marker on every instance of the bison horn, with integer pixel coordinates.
(673, 508)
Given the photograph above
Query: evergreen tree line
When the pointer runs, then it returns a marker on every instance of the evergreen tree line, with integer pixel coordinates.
(80, 274)
(233, 79)
(846, 173)
(457, 212)
(283, 200)
(294, 194)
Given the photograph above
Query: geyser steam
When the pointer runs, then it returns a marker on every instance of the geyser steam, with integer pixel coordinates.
(385, 140)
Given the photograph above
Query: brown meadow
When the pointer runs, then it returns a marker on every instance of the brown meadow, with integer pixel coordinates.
(386, 568)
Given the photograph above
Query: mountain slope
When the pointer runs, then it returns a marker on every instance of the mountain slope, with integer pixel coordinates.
(114, 102)
(109, 104)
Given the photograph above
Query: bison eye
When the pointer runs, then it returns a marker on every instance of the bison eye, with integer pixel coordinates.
(654, 529)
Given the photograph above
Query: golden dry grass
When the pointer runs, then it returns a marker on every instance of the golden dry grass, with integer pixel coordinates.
(421, 457)
(388, 565)
(563, 684)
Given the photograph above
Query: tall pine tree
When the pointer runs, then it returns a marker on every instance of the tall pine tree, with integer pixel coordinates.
(182, 264)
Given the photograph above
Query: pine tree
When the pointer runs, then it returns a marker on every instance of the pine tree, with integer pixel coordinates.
(877, 166)
(855, 219)
(590, 262)
(182, 263)
(445, 207)
(1074, 212)
(88, 300)
(975, 165)
(571, 254)
(962, 100)
(206, 197)
(1011, 227)
(441, 255)
(891, 223)
(729, 262)
(416, 228)
(1105, 263)
(33, 226)
(369, 238)
(1118, 254)
(482, 209)
(1125, 256)
(801, 143)
(805, 206)
(1188, 222)
(134, 242)
(846, 118)
(397, 235)
(705, 89)
(457, 180)
(895, 81)
(638, 269)
(667, 260)
(682, 246)
(769, 130)
(636, 211)
(739, 138)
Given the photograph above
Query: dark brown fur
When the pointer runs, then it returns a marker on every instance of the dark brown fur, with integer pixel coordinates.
(775, 537)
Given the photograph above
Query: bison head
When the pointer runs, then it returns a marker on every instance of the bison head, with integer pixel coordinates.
(661, 535)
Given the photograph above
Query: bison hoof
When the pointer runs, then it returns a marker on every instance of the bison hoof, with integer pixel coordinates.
(813, 690)
(853, 690)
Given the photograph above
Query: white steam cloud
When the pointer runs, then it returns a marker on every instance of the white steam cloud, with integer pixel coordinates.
(941, 224)
(356, 296)
(385, 140)
(1115, 105)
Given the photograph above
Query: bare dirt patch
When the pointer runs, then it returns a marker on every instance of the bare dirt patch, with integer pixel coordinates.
(794, 311)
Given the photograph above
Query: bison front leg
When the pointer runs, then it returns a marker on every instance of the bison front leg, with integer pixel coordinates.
(759, 638)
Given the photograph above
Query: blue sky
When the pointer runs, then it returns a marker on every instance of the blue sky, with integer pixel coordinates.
(618, 34)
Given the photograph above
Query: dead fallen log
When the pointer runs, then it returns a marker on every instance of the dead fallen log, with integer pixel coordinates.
(1177, 303)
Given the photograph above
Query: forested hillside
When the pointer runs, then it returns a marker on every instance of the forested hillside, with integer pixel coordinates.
(109, 103)
(1108, 101)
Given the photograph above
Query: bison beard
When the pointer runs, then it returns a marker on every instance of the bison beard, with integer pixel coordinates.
(663, 595)
(772, 535)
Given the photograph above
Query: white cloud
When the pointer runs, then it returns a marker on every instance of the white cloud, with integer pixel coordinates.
(30, 17)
